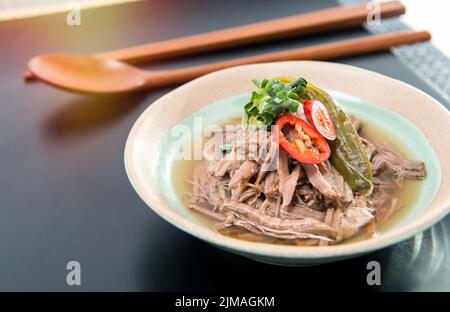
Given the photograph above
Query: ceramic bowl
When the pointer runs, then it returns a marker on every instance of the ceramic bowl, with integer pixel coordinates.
(409, 115)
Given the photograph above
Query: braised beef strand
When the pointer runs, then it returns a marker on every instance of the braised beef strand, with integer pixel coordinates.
(251, 190)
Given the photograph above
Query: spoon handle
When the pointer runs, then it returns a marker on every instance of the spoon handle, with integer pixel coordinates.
(334, 50)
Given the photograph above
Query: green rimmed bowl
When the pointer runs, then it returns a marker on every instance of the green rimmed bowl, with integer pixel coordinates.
(150, 154)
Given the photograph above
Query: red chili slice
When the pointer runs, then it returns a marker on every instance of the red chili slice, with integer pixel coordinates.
(305, 135)
(319, 117)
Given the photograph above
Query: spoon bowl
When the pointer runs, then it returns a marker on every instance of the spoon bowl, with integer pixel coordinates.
(87, 74)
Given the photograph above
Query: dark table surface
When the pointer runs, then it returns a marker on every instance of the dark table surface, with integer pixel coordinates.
(64, 194)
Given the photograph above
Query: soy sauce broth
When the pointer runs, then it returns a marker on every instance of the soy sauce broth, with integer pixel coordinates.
(407, 194)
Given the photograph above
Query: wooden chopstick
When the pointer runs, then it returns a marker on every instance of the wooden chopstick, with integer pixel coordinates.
(304, 24)
(327, 51)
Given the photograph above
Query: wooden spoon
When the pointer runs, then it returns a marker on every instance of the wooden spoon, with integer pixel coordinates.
(87, 74)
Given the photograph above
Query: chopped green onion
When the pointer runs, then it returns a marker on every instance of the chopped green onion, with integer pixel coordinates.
(226, 148)
(273, 98)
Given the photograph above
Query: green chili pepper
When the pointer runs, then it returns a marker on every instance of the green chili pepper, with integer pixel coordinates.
(348, 155)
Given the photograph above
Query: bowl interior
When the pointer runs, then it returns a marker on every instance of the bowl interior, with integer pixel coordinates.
(411, 139)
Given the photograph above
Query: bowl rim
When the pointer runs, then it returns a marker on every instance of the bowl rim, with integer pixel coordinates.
(272, 250)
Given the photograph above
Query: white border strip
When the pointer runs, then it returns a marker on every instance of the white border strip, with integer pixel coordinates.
(15, 12)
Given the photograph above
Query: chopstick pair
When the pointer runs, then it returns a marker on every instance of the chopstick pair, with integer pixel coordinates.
(306, 24)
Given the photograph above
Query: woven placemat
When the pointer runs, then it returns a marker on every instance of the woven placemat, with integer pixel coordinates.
(424, 59)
